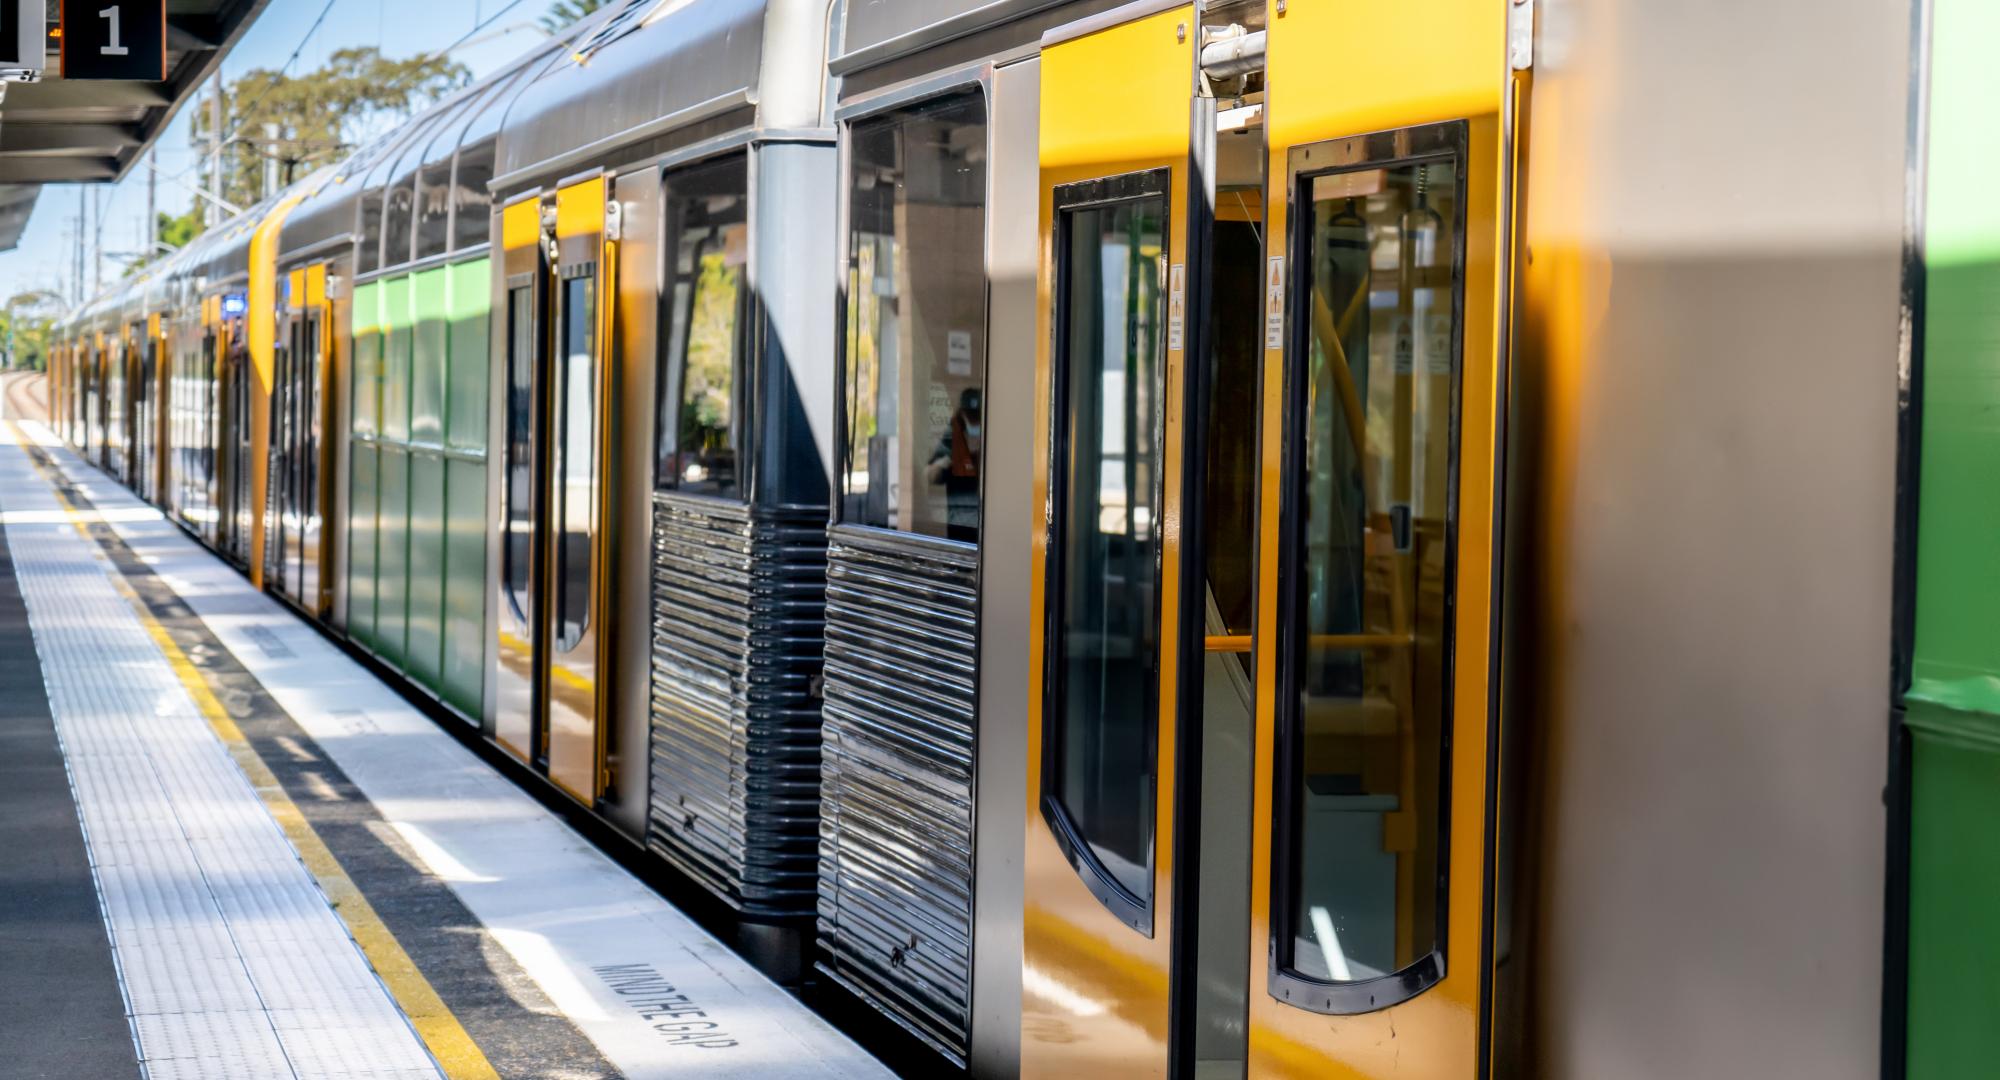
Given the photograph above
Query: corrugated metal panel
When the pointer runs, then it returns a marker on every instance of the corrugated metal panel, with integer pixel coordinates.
(738, 594)
(895, 894)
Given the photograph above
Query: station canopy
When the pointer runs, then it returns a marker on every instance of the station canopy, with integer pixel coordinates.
(59, 131)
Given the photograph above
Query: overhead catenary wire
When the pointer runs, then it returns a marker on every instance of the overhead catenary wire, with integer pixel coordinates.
(243, 114)
(481, 25)
(179, 178)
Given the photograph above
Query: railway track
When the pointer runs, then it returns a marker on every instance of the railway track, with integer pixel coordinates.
(26, 394)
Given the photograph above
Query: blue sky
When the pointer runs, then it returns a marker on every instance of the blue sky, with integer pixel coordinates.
(398, 27)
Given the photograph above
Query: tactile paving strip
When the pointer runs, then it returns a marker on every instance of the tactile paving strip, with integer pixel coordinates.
(232, 962)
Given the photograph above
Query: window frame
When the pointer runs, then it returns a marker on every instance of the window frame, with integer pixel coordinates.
(976, 84)
(1134, 911)
(1424, 144)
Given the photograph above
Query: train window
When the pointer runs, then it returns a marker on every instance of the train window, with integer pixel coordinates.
(1104, 543)
(114, 396)
(397, 207)
(708, 229)
(518, 544)
(210, 403)
(433, 209)
(368, 254)
(472, 225)
(309, 423)
(574, 465)
(279, 413)
(915, 341)
(1365, 677)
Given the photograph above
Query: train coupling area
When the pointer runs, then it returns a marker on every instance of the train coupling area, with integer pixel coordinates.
(228, 851)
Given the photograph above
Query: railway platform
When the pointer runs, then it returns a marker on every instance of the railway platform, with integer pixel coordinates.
(236, 853)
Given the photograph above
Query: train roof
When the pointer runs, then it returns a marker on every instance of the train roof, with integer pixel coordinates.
(654, 69)
(616, 79)
(433, 138)
(876, 32)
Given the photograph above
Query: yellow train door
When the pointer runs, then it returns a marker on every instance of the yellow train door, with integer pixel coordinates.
(556, 407)
(580, 411)
(1373, 840)
(522, 328)
(1099, 914)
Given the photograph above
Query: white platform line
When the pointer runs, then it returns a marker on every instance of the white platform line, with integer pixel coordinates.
(210, 914)
(658, 995)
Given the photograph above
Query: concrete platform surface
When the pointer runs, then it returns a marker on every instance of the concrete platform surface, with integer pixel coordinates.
(302, 875)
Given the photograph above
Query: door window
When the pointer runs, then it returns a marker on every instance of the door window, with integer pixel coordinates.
(1104, 575)
(573, 471)
(278, 487)
(1365, 655)
(517, 544)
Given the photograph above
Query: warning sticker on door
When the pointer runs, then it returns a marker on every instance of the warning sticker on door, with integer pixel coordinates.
(1176, 304)
(1274, 304)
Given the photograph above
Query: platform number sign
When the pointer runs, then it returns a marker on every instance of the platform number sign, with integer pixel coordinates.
(23, 35)
(114, 39)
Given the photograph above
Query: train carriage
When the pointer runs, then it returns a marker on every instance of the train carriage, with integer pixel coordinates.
(1082, 523)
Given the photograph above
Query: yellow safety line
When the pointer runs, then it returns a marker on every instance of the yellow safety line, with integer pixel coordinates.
(455, 1051)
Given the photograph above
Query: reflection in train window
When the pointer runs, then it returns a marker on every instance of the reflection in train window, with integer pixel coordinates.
(433, 209)
(1105, 547)
(517, 544)
(916, 318)
(472, 203)
(708, 236)
(398, 206)
(368, 253)
(573, 467)
(1368, 675)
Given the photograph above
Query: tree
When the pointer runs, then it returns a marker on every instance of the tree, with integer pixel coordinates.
(564, 12)
(321, 114)
(175, 230)
(26, 322)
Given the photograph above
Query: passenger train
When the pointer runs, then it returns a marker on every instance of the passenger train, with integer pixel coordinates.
(1275, 538)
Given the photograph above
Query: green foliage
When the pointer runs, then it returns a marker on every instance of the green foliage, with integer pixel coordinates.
(711, 349)
(175, 230)
(321, 114)
(564, 12)
(27, 321)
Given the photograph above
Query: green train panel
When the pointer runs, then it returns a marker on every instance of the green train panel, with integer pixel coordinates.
(417, 524)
